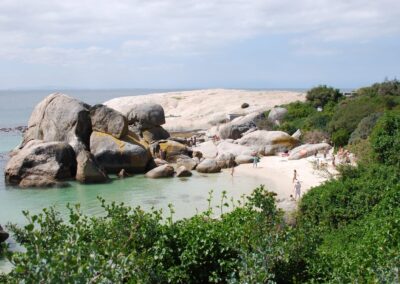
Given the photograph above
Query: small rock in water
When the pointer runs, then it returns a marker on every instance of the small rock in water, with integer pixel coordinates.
(3, 235)
(182, 171)
(123, 174)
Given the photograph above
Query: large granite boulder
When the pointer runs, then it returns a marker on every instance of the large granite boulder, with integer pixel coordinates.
(268, 142)
(88, 171)
(173, 150)
(161, 172)
(155, 134)
(60, 118)
(225, 160)
(113, 155)
(187, 162)
(3, 235)
(307, 150)
(208, 166)
(277, 114)
(208, 149)
(240, 125)
(182, 171)
(244, 159)
(41, 164)
(108, 120)
(235, 149)
(145, 115)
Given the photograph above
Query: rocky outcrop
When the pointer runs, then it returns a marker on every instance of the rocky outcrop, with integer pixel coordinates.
(186, 162)
(244, 159)
(145, 115)
(107, 120)
(155, 134)
(161, 172)
(238, 126)
(182, 171)
(235, 149)
(208, 166)
(60, 118)
(160, 162)
(3, 235)
(114, 154)
(88, 171)
(277, 114)
(268, 142)
(307, 150)
(173, 150)
(41, 164)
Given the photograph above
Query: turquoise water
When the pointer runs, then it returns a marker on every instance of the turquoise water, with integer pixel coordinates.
(188, 195)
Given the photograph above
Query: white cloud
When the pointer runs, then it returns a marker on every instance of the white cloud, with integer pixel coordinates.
(64, 32)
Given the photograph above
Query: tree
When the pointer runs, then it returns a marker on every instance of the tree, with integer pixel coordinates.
(321, 95)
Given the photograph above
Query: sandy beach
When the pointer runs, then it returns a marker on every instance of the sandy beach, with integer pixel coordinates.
(278, 174)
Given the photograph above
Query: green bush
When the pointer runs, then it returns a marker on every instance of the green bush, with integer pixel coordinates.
(386, 88)
(385, 139)
(321, 95)
(364, 128)
(130, 245)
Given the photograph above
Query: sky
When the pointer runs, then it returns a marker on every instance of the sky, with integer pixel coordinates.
(198, 43)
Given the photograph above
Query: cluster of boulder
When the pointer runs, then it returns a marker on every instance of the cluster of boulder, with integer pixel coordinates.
(68, 139)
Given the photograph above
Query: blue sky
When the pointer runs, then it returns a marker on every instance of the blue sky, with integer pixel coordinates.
(198, 44)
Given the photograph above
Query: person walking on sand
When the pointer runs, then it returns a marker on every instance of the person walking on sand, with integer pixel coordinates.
(295, 176)
(233, 170)
(297, 189)
(255, 161)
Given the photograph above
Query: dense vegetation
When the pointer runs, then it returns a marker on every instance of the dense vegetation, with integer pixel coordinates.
(346, 231)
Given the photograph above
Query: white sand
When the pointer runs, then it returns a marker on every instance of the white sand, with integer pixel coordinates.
(278, 175)
(201, 109)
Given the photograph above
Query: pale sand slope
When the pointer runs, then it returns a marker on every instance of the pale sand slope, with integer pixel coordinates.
(201, 109)
(278, 175)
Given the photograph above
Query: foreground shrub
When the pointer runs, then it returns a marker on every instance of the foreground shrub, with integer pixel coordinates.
(130, 245)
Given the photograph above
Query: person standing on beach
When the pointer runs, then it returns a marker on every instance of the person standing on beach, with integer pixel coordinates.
(297, 189)
(295, 176)
(255, 161)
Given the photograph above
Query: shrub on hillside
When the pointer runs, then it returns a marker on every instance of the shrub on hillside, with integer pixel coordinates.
(385, 139)
(386, 88)
(364, 128)
(321, 95)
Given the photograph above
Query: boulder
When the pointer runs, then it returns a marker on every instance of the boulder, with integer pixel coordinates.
(114, 154)
(235, 149)
(41, 181)
(297, 134)
(145, 115)
(41, 164)
(88, 171)
(182, 171)
(123, 174)
(244, 159)
(173, 150)
(155, 134)
(276, 115)
(161, 172)
(208, 166)
(208, 149)
(186, 162)
(107, 120)
(307, 150)
(160, 162)
(60, 118)
(244, 105)
(268, 142)
(3, 235)
(225, 160)
(240, 125)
